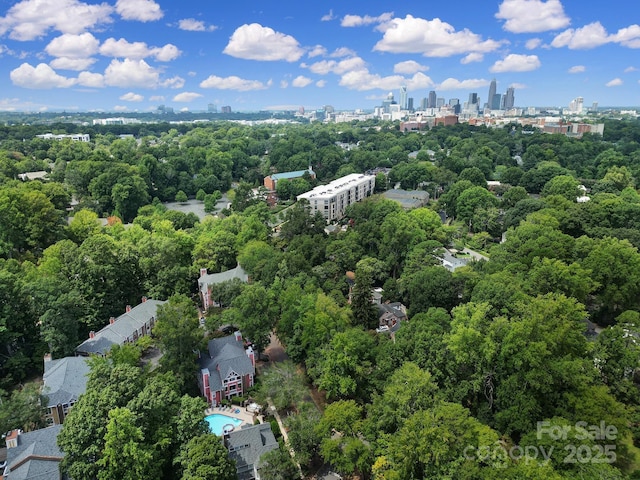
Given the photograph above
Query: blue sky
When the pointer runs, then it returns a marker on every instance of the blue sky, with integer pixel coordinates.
(133, 55)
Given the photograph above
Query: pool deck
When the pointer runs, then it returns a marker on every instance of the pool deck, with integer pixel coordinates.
(246, 417)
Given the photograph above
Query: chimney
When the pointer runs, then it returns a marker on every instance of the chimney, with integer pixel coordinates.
(144, 299)
(47, 358)
(128, 309)
(203, 272)
(12, 438)
(92, 334)
(238, 335)
(112, 320)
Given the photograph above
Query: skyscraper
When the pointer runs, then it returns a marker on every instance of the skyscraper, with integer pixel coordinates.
(509, 98)
(440, 102)
(433, 98)
(492, 92)
(410, 104)
(424, 103)
(495, 101)
(403, 97)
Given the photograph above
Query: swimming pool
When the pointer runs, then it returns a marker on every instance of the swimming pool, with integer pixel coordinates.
(217, 422)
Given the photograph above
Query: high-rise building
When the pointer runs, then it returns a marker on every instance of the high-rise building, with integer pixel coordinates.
(509, 98)
(433, 99)
(455, 103)
(212, 108)
(576, 105)
(496, 101)
(424, 103)
(439, 102)
(473, 99)
(386, 104)
(226, 109)
(410, 104)
(492, 92)
(403, 97)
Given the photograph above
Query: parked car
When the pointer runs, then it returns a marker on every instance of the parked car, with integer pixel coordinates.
(382, 328)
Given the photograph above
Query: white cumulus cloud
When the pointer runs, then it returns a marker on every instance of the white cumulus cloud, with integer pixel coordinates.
(301, 81)
(173, 82)
(577, 69)
(31, 19)
(156, 98)
(472, 57)
(186, 97)
(255, 42)
(41, 76)
(358, 21)
(516, 63)
(408, 67)
(141, 10)
(89, 79)
(431, 38)
(233, 83)
(630, 69)
(469, 84)
(324, 67)
(533, 43)
(132, 97)
(130, 73)
(317, 51)
(77, 64)
(137, 50)
(69, 45)
(365, 80)
(321, 83)
(616, 82)
(193, 25)
(528, 16)
(328, 17)
(589, 36)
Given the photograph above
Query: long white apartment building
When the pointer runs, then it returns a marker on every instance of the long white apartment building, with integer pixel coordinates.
(333, 199)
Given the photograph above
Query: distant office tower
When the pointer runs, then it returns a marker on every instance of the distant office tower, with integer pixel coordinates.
(492, 92)
(386, 104)
(329, 109)
(424, 103)
(403, 97)
(509, 98)
(576, 105)
(410, 104)
(496, 101)
(594, 107)
(455, 103)
(301, 110)
(226, 109)
(433, 99)
(439, 102)
(473, 99)
(212, 108)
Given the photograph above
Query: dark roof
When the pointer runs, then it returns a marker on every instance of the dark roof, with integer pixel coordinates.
(392, 314)
(36, 457)
(65, 379)
(247, 445)
(215, 278)
(226, 354)
(123, 327)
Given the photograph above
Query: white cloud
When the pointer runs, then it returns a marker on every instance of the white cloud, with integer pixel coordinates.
(193, 25)
(137, 50)
(40, 77)
(88, 79)
(324, 67)
(527, 16)
(120, 108)
(186, 97)
(31, 19)
(431, 38)
(191, 73)
(577, 69)
(284, 84)
(616, 82)
(141, 10)
(408, 67)
(321, 83)
(342, 52)
(132, 97)
(173, 82)
(301, 81)
(594, 35)
(516, 63)
(317, 51)
(518, 86)
(533, 43)
(364, 80)
(328, 17)
(232, 83)
(77, 64)
(156, 98)
(68, 45)
(358, 21)
(630, 69)
(130, 73)
(472, 57)
(255, 42)
(454, 84)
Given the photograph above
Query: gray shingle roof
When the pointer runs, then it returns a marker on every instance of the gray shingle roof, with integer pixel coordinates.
(123, 327)
(65, 379)
(215, 278)
(226, 354)
(36, 457)
(248, 444)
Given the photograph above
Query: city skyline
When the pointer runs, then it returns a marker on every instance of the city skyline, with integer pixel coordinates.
(134, 55)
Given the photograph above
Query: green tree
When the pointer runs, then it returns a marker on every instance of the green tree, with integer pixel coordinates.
(181, 196)
(278, 465)
(178, 334)
(564, 185)
(284, 384)
(206, 458)
(256, 314)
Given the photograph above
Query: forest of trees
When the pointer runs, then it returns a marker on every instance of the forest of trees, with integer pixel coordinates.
(546, 330)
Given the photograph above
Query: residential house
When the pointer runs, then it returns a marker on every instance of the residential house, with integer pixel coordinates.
(64, 380)
(391, 315)
(451, 261)
(247, 445)
(271, 181)
(207, 280)
(228, 370)
(136, 322)
(33, 455)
